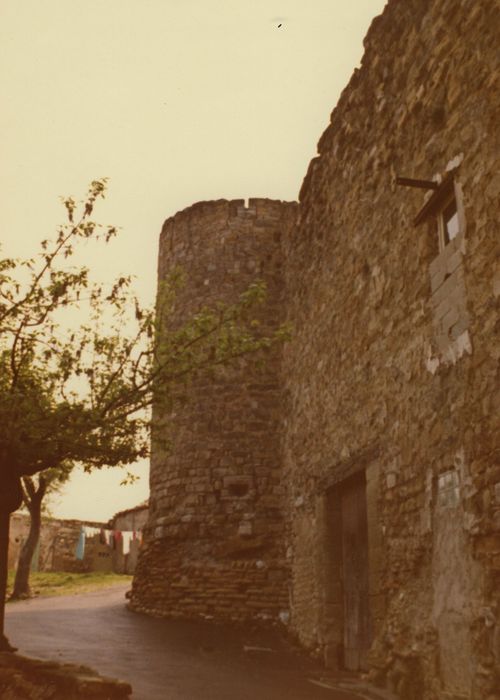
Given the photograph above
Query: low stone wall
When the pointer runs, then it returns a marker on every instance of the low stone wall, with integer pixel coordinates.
(22, 678)
(58, 540)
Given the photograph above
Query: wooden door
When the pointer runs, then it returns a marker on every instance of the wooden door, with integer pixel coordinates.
(357, 627)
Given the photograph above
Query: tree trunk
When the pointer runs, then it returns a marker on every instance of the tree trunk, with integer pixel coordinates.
(4, 554)
(33, 500)
(10, 500)
(22, 580)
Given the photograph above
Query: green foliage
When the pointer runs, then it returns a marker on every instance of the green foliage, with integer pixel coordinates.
(82, 393)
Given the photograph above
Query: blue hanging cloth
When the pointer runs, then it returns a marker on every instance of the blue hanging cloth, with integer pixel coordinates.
(80, 547)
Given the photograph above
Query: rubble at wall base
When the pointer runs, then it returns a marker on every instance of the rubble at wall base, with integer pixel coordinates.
(23, 678)
(230, 591)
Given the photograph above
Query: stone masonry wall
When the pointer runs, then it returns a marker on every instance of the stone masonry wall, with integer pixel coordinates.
(390, 382)
(214, 545)
(393, 367)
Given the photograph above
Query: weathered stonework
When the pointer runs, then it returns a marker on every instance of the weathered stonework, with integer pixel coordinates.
(393, 368)
(380, 428)
(214, 545)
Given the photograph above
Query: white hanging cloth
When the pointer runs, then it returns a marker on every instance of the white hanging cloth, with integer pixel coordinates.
(127, 537)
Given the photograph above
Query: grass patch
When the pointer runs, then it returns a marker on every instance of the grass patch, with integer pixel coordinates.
(45, 583)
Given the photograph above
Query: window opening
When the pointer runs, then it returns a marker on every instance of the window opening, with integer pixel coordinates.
(450, 223)
(441, 206)
(448, 489)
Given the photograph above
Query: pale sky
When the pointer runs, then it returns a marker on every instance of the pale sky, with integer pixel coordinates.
(176, 101)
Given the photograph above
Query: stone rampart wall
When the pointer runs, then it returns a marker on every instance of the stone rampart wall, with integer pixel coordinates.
(385, 377)
(389, 384)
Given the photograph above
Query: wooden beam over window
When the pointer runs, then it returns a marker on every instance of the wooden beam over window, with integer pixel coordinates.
(437, 200)
(421, 184)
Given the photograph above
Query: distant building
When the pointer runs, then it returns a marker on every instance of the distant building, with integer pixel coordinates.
(131, 518)
(131, 524)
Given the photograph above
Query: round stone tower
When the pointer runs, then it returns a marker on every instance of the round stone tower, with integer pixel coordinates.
(214, 544)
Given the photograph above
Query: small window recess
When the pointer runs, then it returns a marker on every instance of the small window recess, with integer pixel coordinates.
(448, 221)
(238, 490)
(443, 206)
(448, 489)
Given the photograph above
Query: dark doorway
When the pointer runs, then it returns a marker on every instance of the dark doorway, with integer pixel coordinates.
(355, 580)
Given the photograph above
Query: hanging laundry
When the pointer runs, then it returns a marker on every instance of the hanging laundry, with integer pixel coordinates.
(127, 539)
(117, 538)
(80, 547)
(104, 536)
(91, 531)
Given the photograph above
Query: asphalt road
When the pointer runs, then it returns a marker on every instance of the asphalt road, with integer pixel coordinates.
(164, 659)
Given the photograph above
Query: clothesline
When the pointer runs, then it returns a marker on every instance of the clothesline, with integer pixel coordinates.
(112, 538)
